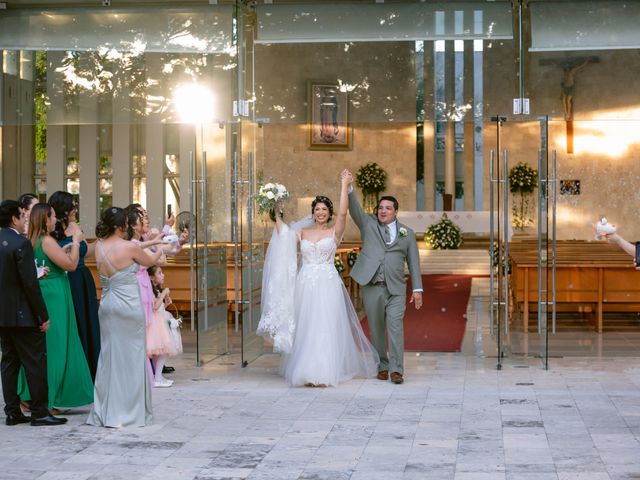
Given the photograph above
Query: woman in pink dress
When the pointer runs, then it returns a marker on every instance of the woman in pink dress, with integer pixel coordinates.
(138, 222)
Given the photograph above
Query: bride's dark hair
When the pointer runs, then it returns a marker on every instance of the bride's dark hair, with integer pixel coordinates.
(326, 201)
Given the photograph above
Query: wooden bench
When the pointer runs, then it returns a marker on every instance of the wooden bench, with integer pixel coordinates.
(590, 276)
(178, 277)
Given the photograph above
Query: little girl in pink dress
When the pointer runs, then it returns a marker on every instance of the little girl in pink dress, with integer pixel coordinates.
(162, 340)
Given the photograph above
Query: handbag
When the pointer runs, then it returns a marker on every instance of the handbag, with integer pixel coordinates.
(175, 323)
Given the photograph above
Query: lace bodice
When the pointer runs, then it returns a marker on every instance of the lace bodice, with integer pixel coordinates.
(318, 253)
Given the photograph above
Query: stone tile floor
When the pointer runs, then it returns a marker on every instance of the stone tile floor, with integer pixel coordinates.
(456, 417)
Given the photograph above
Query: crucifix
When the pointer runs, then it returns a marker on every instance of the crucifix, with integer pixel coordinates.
(570, 66)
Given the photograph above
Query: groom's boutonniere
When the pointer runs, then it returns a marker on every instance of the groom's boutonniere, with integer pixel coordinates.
(402, 232)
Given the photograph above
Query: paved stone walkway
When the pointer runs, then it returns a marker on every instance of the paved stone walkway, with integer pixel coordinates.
(456, 417)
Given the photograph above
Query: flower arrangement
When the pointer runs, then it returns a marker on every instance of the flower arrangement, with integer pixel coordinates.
(494, 252)
(371, 179)
(443, 235)
(523, 180)
(352, 257)
(268, 197)
(337, 262)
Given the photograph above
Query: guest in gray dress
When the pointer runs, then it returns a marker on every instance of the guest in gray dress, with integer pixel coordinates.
(122, 392)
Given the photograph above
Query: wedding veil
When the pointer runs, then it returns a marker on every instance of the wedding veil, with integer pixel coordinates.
(277, 320)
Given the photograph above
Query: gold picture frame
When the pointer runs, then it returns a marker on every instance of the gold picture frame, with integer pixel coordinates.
(329, 127)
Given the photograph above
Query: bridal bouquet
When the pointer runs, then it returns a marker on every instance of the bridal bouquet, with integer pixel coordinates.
(269, 195)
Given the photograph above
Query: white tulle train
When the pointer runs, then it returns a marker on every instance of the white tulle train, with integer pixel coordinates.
(329, 345)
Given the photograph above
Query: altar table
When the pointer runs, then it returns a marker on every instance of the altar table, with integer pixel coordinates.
(468, 221)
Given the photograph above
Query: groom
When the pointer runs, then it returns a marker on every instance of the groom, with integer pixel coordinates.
(386, 246)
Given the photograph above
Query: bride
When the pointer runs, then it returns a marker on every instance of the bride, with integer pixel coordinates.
(313, 324)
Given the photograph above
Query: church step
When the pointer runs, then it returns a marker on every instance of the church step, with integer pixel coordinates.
(462, 262)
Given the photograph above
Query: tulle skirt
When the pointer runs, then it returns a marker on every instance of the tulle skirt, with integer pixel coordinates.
(329, 346)
(159, 338)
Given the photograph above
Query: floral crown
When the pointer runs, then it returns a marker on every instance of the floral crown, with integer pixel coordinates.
(322, 199)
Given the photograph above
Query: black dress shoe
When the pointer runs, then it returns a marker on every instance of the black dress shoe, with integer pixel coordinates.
(16, 419)
(167, 369)
(47, 421)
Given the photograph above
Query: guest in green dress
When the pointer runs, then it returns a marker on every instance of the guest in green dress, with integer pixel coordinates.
(68, 374)
(83, 288)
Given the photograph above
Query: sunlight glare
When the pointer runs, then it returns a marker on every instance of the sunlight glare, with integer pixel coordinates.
(194, 103)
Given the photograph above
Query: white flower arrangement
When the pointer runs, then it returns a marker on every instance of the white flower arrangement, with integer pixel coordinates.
(402, 232)
(523, 180)
(268, 197)
(443, 235)
(371, 178)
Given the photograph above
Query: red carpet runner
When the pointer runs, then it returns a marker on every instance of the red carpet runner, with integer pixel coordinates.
(440, 324)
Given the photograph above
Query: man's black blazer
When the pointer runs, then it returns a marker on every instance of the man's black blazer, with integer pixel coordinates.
(21, 302)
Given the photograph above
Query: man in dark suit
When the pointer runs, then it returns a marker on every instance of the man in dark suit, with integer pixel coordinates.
(23, 321)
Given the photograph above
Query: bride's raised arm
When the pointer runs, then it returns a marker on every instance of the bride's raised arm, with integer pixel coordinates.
(341, 217)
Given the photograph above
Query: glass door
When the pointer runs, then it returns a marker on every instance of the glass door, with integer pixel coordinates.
(522, 239)
(499, 237)
(248, 238)
(208, 248)
(546, 242)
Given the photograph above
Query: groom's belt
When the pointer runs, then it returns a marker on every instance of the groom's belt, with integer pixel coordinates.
(379, 283)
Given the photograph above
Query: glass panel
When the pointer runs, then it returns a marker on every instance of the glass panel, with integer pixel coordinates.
(249, 175)
(212, 221)
(377, 22)
(580, 76)
(107, 123)
(139, 191)
(252, 243)
(190, 29)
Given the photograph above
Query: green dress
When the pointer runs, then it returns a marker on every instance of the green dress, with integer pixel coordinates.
(68, 373)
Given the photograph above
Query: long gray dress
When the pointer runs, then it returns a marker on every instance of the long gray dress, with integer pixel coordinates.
(122, 392)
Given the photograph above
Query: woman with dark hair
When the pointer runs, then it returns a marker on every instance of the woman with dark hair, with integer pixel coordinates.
(27, 201)
(137, 230)
(122, 392)
(316, 328)
(83, 288)
(69, 379)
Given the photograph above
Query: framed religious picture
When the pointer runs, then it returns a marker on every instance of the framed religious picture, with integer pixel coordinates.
(329, 127)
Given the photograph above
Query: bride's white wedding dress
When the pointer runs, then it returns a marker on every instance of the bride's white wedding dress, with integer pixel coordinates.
(328, 345)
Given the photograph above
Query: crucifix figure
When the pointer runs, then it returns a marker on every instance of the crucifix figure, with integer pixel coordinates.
(569, 86)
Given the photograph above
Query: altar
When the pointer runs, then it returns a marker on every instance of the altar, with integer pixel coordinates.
(469, 221)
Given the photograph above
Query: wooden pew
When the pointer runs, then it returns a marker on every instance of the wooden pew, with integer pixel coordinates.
(177, 277)
(594, 276)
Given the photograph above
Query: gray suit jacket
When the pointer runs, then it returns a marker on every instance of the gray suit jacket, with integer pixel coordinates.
(376, 252)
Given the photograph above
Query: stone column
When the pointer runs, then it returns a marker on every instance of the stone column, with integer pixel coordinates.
(121, 142)
(56, 149)
(88, 155)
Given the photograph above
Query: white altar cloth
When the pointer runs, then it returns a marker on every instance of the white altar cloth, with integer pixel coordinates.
(468, 221)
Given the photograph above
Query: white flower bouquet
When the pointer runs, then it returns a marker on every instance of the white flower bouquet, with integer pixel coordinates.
(523, 180)
(268, 197)
(444, 235)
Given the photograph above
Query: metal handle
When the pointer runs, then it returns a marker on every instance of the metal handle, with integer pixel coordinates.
(505, 234)
(236, 242)
(553, 240)
(491, 242)
(205, 239)
(249, 293)
(192, 234)
(541, 202)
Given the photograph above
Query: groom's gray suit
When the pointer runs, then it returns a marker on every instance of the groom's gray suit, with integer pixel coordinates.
(380, 271)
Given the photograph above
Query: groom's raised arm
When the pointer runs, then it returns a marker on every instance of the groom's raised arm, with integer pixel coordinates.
(355, 209)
